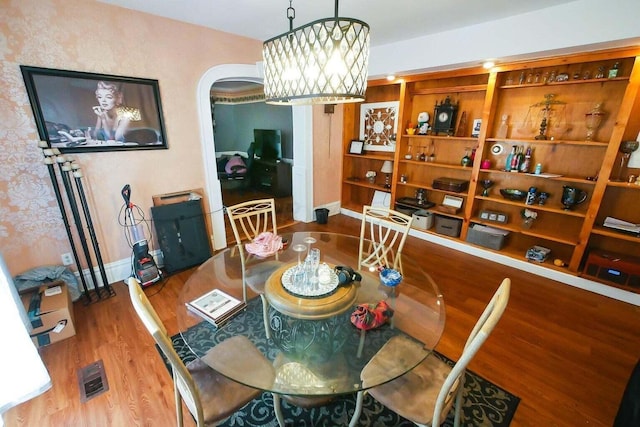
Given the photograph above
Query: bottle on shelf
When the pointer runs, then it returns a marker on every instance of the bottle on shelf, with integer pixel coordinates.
(613, 71)
(526, 163)
(466, 159)
(521, 79)
(422, 156)
(516, 160)
(503, 129)
(507, 163)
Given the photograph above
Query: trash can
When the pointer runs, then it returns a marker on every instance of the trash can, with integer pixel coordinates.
(322, 215)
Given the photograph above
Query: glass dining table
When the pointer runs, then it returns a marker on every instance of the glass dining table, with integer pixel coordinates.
(315, 348)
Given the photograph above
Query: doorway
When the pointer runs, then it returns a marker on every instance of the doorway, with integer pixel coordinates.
(254, 147)
(302, 168)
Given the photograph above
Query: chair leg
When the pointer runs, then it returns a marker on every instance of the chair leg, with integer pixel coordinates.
(358, 410)
(178, 399)
(278, 409)
(458, 403)
(265, 316)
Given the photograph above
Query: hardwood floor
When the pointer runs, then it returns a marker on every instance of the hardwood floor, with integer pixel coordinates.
(567, 353)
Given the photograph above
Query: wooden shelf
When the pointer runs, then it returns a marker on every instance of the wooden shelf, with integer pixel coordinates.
(521, 204)
(436, 165)
(568, 82)
(365, 184)
(623, 185)
(549, 142)
(443, 138)
(541, 177)
(430, 188)
(449, 89)
(371, 156)
(608, 232)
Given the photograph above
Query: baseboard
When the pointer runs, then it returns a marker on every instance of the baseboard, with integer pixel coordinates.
(559, 276)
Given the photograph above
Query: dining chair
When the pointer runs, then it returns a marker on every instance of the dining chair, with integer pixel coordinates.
(248, 220)
(209, 396)
(426, 394)
(384, 231)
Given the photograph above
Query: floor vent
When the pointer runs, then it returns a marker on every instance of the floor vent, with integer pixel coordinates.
(92, 381)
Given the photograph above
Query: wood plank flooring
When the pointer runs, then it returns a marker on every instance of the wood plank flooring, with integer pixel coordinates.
(566, 352)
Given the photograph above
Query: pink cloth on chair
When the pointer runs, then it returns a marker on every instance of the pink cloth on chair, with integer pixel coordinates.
(265, 244)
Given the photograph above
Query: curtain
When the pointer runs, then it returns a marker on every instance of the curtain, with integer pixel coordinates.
(23, 374)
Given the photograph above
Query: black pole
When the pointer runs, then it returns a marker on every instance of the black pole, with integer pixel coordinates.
(56, 189)
(64, 171)
(77, 174)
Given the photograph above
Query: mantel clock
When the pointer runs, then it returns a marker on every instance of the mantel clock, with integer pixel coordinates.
(444, 117)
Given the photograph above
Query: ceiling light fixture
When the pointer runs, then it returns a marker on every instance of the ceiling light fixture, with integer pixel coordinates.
(323, 62)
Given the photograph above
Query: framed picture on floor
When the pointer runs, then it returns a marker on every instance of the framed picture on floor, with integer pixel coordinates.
(84, 112)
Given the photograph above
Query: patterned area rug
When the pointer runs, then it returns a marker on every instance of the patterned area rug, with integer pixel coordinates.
(485, 404)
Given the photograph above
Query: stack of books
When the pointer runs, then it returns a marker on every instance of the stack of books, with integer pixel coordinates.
(621, 225)
(216, 307)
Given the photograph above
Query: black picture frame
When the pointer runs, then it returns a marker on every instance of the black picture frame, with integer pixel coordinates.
(70, 117)
(356, 147)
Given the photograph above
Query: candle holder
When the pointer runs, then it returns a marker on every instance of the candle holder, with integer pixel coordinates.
(592, 121)
(626, 148)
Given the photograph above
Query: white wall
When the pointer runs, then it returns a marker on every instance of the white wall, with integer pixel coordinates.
(579, 26)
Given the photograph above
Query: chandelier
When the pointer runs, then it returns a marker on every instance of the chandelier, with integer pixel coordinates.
(323, 62)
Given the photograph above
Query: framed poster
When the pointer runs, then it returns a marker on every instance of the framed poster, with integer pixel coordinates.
(379, 125)
(84, 112)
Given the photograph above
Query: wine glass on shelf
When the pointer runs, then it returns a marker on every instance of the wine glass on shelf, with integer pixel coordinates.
(486, 185)
(626, 148)
(592, 121)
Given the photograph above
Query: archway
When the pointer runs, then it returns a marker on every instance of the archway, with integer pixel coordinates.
(302, 179)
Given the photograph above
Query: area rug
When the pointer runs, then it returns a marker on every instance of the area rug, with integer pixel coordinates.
(485, 404)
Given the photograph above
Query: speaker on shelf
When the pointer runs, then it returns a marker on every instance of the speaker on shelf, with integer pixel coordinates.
(182, 234)
(612, 267)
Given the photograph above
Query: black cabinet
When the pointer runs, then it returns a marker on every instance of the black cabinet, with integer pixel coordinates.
(272, 177)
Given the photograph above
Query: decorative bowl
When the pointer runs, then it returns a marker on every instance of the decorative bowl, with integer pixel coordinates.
(390, 277)
(513, 194)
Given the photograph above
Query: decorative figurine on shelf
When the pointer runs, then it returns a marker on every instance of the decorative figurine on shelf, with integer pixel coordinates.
(423, 123)
(371, 176)
(528, 216)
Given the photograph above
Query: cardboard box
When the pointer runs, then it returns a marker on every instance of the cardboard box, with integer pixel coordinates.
(484, 236)
(448, 226)
(422, 219)
(51, 313)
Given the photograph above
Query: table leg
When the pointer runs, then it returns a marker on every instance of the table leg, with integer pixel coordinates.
(278, 409)
(357, 411)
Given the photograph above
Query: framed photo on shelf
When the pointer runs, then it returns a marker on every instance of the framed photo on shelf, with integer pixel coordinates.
(84, 112)
(379, 125)
(356, 147)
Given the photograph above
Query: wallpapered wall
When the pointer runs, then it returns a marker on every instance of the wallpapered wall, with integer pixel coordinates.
(88, 36)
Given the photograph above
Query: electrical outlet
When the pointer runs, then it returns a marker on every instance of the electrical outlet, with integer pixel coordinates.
(67, 259)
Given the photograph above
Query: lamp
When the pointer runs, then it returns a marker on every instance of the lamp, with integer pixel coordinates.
(323, 62)
(387, 168)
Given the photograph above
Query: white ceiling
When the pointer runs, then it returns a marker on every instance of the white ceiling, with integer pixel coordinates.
(389, 20)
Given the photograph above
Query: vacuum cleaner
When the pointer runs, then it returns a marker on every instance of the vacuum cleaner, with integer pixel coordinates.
(144, 266)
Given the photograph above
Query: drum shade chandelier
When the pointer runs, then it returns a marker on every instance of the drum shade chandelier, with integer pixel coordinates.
(323, 62)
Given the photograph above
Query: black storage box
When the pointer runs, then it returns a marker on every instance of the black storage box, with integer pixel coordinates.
(448, 226)
(451, 184)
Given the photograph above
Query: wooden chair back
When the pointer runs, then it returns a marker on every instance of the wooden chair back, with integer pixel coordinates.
(248, 219)
(386, 230)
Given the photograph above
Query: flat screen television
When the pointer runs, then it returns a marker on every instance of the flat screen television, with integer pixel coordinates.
(268, 144)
